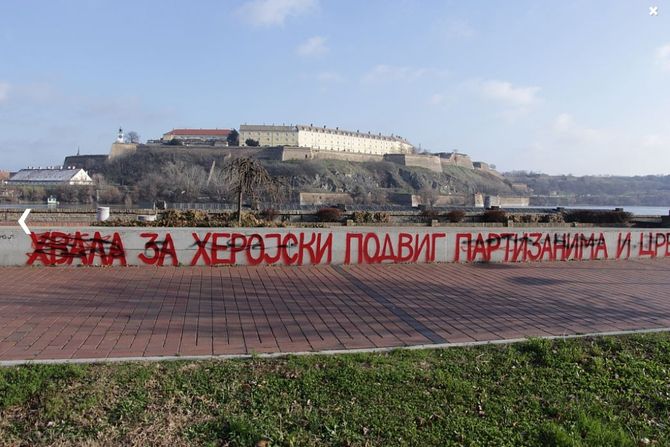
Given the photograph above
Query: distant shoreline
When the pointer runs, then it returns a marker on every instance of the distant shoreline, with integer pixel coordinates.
(635, 210)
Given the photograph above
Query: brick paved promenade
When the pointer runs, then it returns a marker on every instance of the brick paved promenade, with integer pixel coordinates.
(61, 313)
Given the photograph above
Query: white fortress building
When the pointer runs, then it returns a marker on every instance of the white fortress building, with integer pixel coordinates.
(323, 138)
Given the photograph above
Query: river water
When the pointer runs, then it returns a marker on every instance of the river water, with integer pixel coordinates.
(636, 210)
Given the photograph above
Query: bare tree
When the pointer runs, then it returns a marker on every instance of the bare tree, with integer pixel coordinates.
(104, 191)
(361, 195)
(132, 137)
(218, 187)
(153, 186)
(379, 197)
(428, 196)
(248, 176)
(187, 180)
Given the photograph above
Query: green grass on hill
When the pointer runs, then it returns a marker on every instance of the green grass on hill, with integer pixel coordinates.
(612, 391)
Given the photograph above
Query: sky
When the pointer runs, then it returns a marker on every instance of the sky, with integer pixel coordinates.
(560, 86)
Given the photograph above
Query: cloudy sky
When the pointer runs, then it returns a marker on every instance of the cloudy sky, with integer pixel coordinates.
(579, 87)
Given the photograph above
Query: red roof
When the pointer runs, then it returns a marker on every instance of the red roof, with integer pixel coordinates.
(204, 132)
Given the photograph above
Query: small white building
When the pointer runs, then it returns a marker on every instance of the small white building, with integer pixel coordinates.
(51, 176)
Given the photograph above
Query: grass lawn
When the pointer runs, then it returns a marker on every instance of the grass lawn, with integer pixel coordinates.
(610, 391)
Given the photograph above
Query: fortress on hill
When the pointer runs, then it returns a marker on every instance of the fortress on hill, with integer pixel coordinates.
(299, 142)
(286, 143)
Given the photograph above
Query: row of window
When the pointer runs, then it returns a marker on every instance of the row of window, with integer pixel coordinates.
(346, 134)
(314, 141)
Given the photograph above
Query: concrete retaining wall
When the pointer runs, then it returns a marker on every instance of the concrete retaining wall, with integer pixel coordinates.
(430, 162)
(344, 245)
(405, 199)
(452, 200)
(325, 198)
(506, 202)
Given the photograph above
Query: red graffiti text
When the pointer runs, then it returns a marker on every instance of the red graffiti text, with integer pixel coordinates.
(57, 248)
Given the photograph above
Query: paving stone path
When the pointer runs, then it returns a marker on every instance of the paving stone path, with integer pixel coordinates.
(94, 313)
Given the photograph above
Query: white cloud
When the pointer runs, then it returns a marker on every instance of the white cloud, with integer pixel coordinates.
(517, 101)
(38, 92)
(436, 99)
(383, 73)
(314, 46)
(458, 29)
(655, 140)
(4, 91)
(275, 12)
(568, 146)
(565, 128)
(662, 57)
(507, 93)
(329, 76)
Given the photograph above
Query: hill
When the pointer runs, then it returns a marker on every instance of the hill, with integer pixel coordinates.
(180, 175)
(649, 190)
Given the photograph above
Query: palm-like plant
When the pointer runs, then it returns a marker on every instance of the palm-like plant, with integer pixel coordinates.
(248, 176)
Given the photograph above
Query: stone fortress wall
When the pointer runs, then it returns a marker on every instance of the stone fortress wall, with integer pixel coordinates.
(119, 149)
(429, 162)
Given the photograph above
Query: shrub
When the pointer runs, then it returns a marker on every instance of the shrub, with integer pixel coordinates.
(428, 215)
(268, 214)
(111, 194)
(192, 218)
(497, 216)
(455, 215)
(552, 218)
(174, 218)
(361, 216)
(597, 216)
(370, 217)
(33, 193)
(329, 215)
(248, 220)
(529, 218)
(380, 217)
